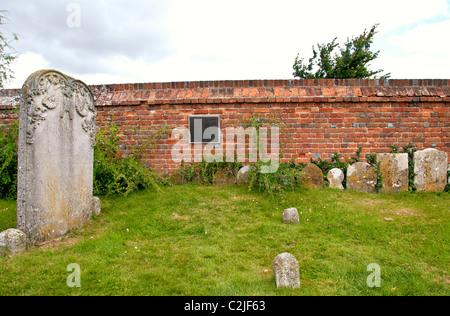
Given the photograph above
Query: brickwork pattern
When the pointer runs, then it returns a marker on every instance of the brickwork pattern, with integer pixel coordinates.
(319, 116)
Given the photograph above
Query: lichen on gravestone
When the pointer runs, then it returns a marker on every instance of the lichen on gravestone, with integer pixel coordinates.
(312, 177)
(362, 176)
(55, 156)
(286, 271)
(224, 177)
(335, 177)
(430, 168)
(394, 171)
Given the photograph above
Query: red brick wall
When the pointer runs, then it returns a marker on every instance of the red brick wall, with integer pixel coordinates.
(317, 117)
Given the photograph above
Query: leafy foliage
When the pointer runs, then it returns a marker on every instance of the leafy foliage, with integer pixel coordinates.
(8, 160)
(113, 174)
(7, 54)
(352, 61)
(117, 175)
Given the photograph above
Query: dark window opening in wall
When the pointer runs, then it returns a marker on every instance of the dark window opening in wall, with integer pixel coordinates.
(204, 129)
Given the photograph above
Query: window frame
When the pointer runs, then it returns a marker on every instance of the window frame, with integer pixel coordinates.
(219, 136)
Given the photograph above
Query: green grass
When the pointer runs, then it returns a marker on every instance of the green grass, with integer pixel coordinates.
(205, 240)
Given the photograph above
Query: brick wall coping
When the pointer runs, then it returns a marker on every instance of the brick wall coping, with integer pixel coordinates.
(262, 91)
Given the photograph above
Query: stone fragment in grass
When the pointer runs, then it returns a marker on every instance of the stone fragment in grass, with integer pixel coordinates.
(286, 271)
(13, 240)
(290, 216)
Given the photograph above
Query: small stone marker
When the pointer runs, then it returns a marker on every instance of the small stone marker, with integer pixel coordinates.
(430, 167)
(362, 176)
(312, 177)
(177, 178)
(394, 171)
(224, 177)
(13, 240)
(290, 215)
(242, 175)
(96, 206)
(286, 271)
(335, 177)
(55, 154)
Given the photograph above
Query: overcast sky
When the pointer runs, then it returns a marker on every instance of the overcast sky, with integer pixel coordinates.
(118, 41)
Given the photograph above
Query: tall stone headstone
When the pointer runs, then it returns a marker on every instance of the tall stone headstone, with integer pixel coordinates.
(362, 176)
(394, 171)
(56, 149)
(430, 168)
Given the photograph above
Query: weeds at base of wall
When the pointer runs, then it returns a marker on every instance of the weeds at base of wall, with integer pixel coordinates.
(117, 175)
(205, 171)
(289, 175)
(112, 174)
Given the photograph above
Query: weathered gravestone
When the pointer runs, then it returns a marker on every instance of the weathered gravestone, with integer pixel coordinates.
(335, 177)
(394, 171)
(56, 148)
(430, 168)
(286, 271)
(312, 177)
(224, 177)
(362, 176)
(242, 175)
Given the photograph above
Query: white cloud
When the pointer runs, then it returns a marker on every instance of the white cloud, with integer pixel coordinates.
(421, 52)
(24, 66)
(179, 40)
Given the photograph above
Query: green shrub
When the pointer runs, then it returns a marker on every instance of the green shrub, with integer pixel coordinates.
(411, 150)
(8, 160)
(114, 174)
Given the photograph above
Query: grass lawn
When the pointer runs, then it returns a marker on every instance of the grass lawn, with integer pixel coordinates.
(204, 240)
